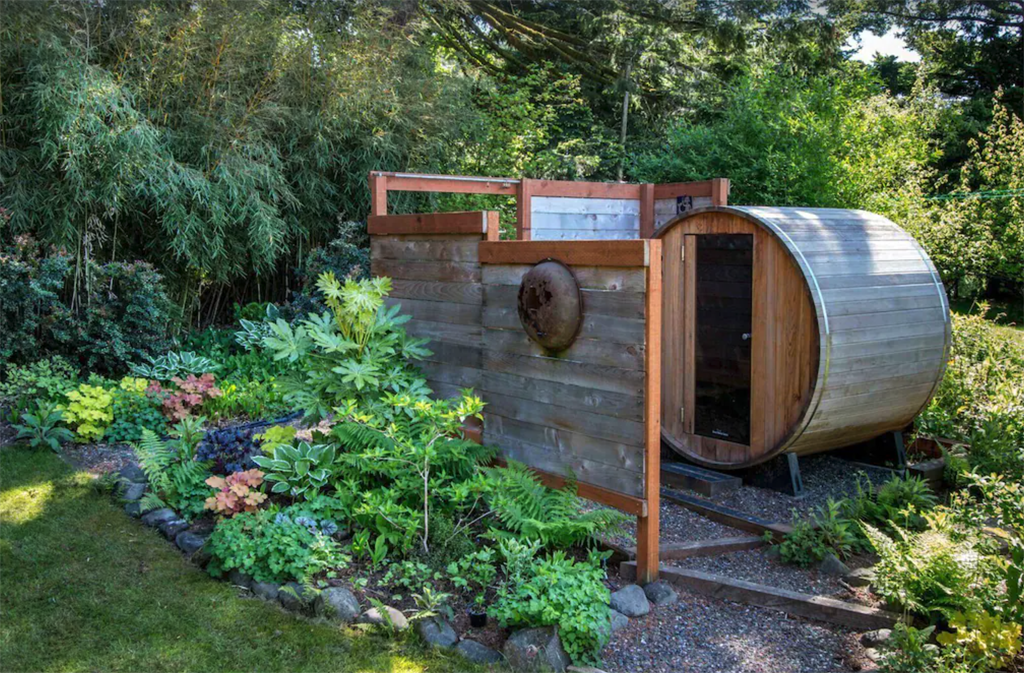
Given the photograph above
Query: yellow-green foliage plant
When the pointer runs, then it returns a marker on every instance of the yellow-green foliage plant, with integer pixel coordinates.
(986, 637)
(90, 408)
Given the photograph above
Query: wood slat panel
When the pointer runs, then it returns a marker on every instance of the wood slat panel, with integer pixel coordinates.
(543, 458)
(605, 328)
(591, 351)
(595, 302)
(465, 222)
(394, 247)
(450, 272)
(590, 190)
(563, 418)
(619, 405)
(597, 377)
(425, 290)
(626, 457)
(437, 311)
(588, 277)
(582, 253)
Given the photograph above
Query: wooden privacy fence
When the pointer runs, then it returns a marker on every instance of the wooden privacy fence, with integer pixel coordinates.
(564, 210)
(590, 411)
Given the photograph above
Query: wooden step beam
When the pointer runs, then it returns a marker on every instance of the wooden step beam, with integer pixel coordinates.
(703, 481)
(727, 515)
(834, 611)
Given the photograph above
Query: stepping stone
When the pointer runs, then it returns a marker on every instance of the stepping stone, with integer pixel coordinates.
(159, 516)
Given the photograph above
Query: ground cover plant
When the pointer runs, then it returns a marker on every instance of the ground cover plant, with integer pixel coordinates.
(85, 589)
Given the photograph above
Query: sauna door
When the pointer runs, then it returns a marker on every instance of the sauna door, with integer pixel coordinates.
(720, 267)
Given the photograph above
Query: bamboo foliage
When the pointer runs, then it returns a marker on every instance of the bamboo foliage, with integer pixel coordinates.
(218, 139)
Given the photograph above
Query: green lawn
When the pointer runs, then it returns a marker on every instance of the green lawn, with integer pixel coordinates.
(85, 588)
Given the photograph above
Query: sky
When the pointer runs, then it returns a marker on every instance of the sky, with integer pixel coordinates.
(888, 44)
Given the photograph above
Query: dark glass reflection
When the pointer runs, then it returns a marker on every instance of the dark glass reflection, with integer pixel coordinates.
(725, 273)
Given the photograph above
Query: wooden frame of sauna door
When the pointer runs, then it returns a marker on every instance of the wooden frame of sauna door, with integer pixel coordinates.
(783, 343)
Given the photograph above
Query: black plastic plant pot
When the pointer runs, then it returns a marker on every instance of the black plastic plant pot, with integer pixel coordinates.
(477, 617)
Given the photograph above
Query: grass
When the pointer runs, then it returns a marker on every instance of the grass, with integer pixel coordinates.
(85, 588)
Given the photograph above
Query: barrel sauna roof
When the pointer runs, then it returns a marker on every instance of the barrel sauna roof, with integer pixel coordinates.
(882, 321)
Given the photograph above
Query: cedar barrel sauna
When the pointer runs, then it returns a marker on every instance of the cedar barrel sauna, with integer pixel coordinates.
(794, 330)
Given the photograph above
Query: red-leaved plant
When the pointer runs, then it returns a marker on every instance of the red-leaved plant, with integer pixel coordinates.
(188, 394)
(236, 493)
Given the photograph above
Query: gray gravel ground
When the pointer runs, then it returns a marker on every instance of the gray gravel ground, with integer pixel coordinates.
(705, 635)
(824, 477)
(678, 524)
(754, 566)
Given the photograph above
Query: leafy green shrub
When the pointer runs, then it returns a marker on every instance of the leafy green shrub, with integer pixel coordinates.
(559, 591)
(898, 501)
(120, 315)
(355, 350)
(980, 400)
(986, 638)
(929, 573)
(526, 508)
(40, 428)
(272, 547)
(135, 410)
(90, 409)
(803, 545)
(176, 479)
(46, 380)
(474, 572)
(406, 465)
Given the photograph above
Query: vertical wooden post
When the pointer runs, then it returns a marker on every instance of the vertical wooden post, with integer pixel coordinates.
(524, 194)
(492, 225)
(646, 210)
(720, 191)
(378, 194)
(648, 527)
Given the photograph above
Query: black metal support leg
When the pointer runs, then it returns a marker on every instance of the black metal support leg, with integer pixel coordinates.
(796, 483)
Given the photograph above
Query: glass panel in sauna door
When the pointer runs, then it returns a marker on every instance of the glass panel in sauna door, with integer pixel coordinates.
(722, 294)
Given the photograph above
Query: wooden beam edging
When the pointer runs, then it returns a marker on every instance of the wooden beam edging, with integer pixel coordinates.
(822, 608)
(464, 222)
(727, 515)
(627, 253)
(675, 551)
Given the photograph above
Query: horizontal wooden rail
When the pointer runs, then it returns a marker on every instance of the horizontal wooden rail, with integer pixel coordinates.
(466, 222)
(632, 253)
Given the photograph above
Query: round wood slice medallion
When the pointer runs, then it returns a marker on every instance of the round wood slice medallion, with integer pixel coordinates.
(550, 305)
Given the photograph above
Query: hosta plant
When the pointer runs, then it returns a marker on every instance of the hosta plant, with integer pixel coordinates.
(172, 365)
(236, 493)
(41, 428)
(298, 470)
(89, 409)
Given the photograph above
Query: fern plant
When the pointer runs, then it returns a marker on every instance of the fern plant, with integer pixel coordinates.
(528, 509)
(176, 478)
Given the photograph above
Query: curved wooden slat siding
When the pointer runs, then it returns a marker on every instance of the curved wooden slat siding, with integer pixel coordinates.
(850, 337)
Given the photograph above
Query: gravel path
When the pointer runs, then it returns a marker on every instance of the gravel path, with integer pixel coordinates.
(704, 635)
(824, 477)
(755, 566)
(99, 458)
(678, 524)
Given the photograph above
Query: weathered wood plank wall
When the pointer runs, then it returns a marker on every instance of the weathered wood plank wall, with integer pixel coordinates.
(591, 411)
